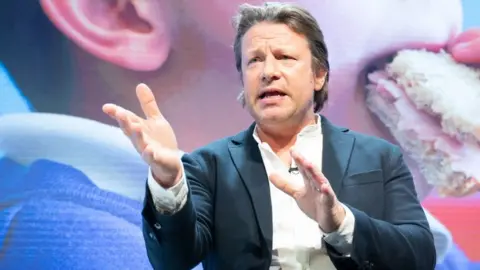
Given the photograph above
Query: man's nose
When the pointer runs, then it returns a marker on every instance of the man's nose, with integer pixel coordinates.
(270, 70)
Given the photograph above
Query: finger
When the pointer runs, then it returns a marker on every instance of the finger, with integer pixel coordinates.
(301, 163)
(114, 111)
(138, 137)
(468, 53)
(318, 182)
(466, 36)
(148, 154)
(307, 179)
(282, 184)
(299, 159)
(326, 189)
(110, 109)
(126, 119)
(313, 177)
(148, 102)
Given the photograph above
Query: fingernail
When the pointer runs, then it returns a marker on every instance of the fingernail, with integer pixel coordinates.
(461, 46)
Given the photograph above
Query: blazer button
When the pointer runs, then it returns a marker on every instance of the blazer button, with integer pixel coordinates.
(157, 226)
(152, 236)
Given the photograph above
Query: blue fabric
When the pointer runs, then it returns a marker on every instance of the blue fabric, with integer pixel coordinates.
(456, 260)
(53, 217)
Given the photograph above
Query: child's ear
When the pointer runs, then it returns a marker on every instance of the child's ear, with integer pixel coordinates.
(131, 34)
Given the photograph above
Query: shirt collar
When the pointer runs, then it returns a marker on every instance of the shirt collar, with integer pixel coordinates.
(310, 130)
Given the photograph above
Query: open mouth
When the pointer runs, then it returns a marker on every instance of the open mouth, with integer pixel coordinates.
(429, 103)
(271, 94)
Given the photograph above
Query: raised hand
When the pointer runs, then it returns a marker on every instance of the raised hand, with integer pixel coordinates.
(152, 136)
(316, 197)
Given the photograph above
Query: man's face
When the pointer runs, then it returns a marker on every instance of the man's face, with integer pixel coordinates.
(277, 73)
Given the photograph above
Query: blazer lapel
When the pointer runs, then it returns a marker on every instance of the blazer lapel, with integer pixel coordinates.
(248, 161)
(337, 148)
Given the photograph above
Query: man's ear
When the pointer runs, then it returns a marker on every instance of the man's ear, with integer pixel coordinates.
(319, 79)
(132, 34)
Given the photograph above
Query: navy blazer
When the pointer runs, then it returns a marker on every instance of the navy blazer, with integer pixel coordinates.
(227, 220)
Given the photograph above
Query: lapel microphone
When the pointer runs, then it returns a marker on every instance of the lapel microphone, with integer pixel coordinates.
(293, 170)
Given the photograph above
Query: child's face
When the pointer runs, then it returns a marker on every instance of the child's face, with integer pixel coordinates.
(199, 70)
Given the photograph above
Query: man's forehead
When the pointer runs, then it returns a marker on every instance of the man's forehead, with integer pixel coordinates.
(272, 34)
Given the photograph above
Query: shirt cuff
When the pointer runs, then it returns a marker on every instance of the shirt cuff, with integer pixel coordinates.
(341, 240)
(171, 200)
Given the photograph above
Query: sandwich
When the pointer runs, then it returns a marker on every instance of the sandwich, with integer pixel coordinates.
(431, 106)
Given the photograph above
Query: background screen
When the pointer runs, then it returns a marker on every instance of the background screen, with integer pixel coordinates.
(71, 185)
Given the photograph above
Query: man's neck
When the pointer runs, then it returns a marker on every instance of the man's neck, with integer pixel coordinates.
(283, 136)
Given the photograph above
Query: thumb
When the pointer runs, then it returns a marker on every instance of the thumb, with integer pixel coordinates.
(284, 185)
(468, 52)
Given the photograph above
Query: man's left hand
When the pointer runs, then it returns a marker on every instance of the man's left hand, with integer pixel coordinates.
(316, 197)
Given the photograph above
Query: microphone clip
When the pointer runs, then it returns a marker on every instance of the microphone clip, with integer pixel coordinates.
(293, 170)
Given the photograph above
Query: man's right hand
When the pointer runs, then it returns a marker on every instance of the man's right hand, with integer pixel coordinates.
(153, 137)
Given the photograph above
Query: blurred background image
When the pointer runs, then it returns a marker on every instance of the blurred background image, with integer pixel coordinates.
(71, 185)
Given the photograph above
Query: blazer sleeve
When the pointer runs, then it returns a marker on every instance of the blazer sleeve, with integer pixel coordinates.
(182, 240)
(402, 240)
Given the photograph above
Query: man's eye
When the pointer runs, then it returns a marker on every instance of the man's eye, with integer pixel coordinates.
(253, 60)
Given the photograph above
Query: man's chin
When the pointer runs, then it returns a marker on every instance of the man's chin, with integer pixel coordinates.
(272, 118)
(270, 114)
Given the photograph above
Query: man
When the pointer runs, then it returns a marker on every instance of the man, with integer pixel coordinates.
(356, 207)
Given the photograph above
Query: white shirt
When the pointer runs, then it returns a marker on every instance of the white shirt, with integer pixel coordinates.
(297, 239)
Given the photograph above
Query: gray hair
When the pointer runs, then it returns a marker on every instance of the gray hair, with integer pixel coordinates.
(298, 20)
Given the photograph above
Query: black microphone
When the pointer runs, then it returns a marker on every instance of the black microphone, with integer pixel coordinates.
(293, 170)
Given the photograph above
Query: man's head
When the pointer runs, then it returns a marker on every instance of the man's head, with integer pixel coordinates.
(283, 61)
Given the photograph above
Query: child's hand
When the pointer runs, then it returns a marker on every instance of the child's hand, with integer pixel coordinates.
(465, 48)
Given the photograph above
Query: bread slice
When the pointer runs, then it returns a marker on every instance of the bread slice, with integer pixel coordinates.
(430, 105)
(444, 88)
